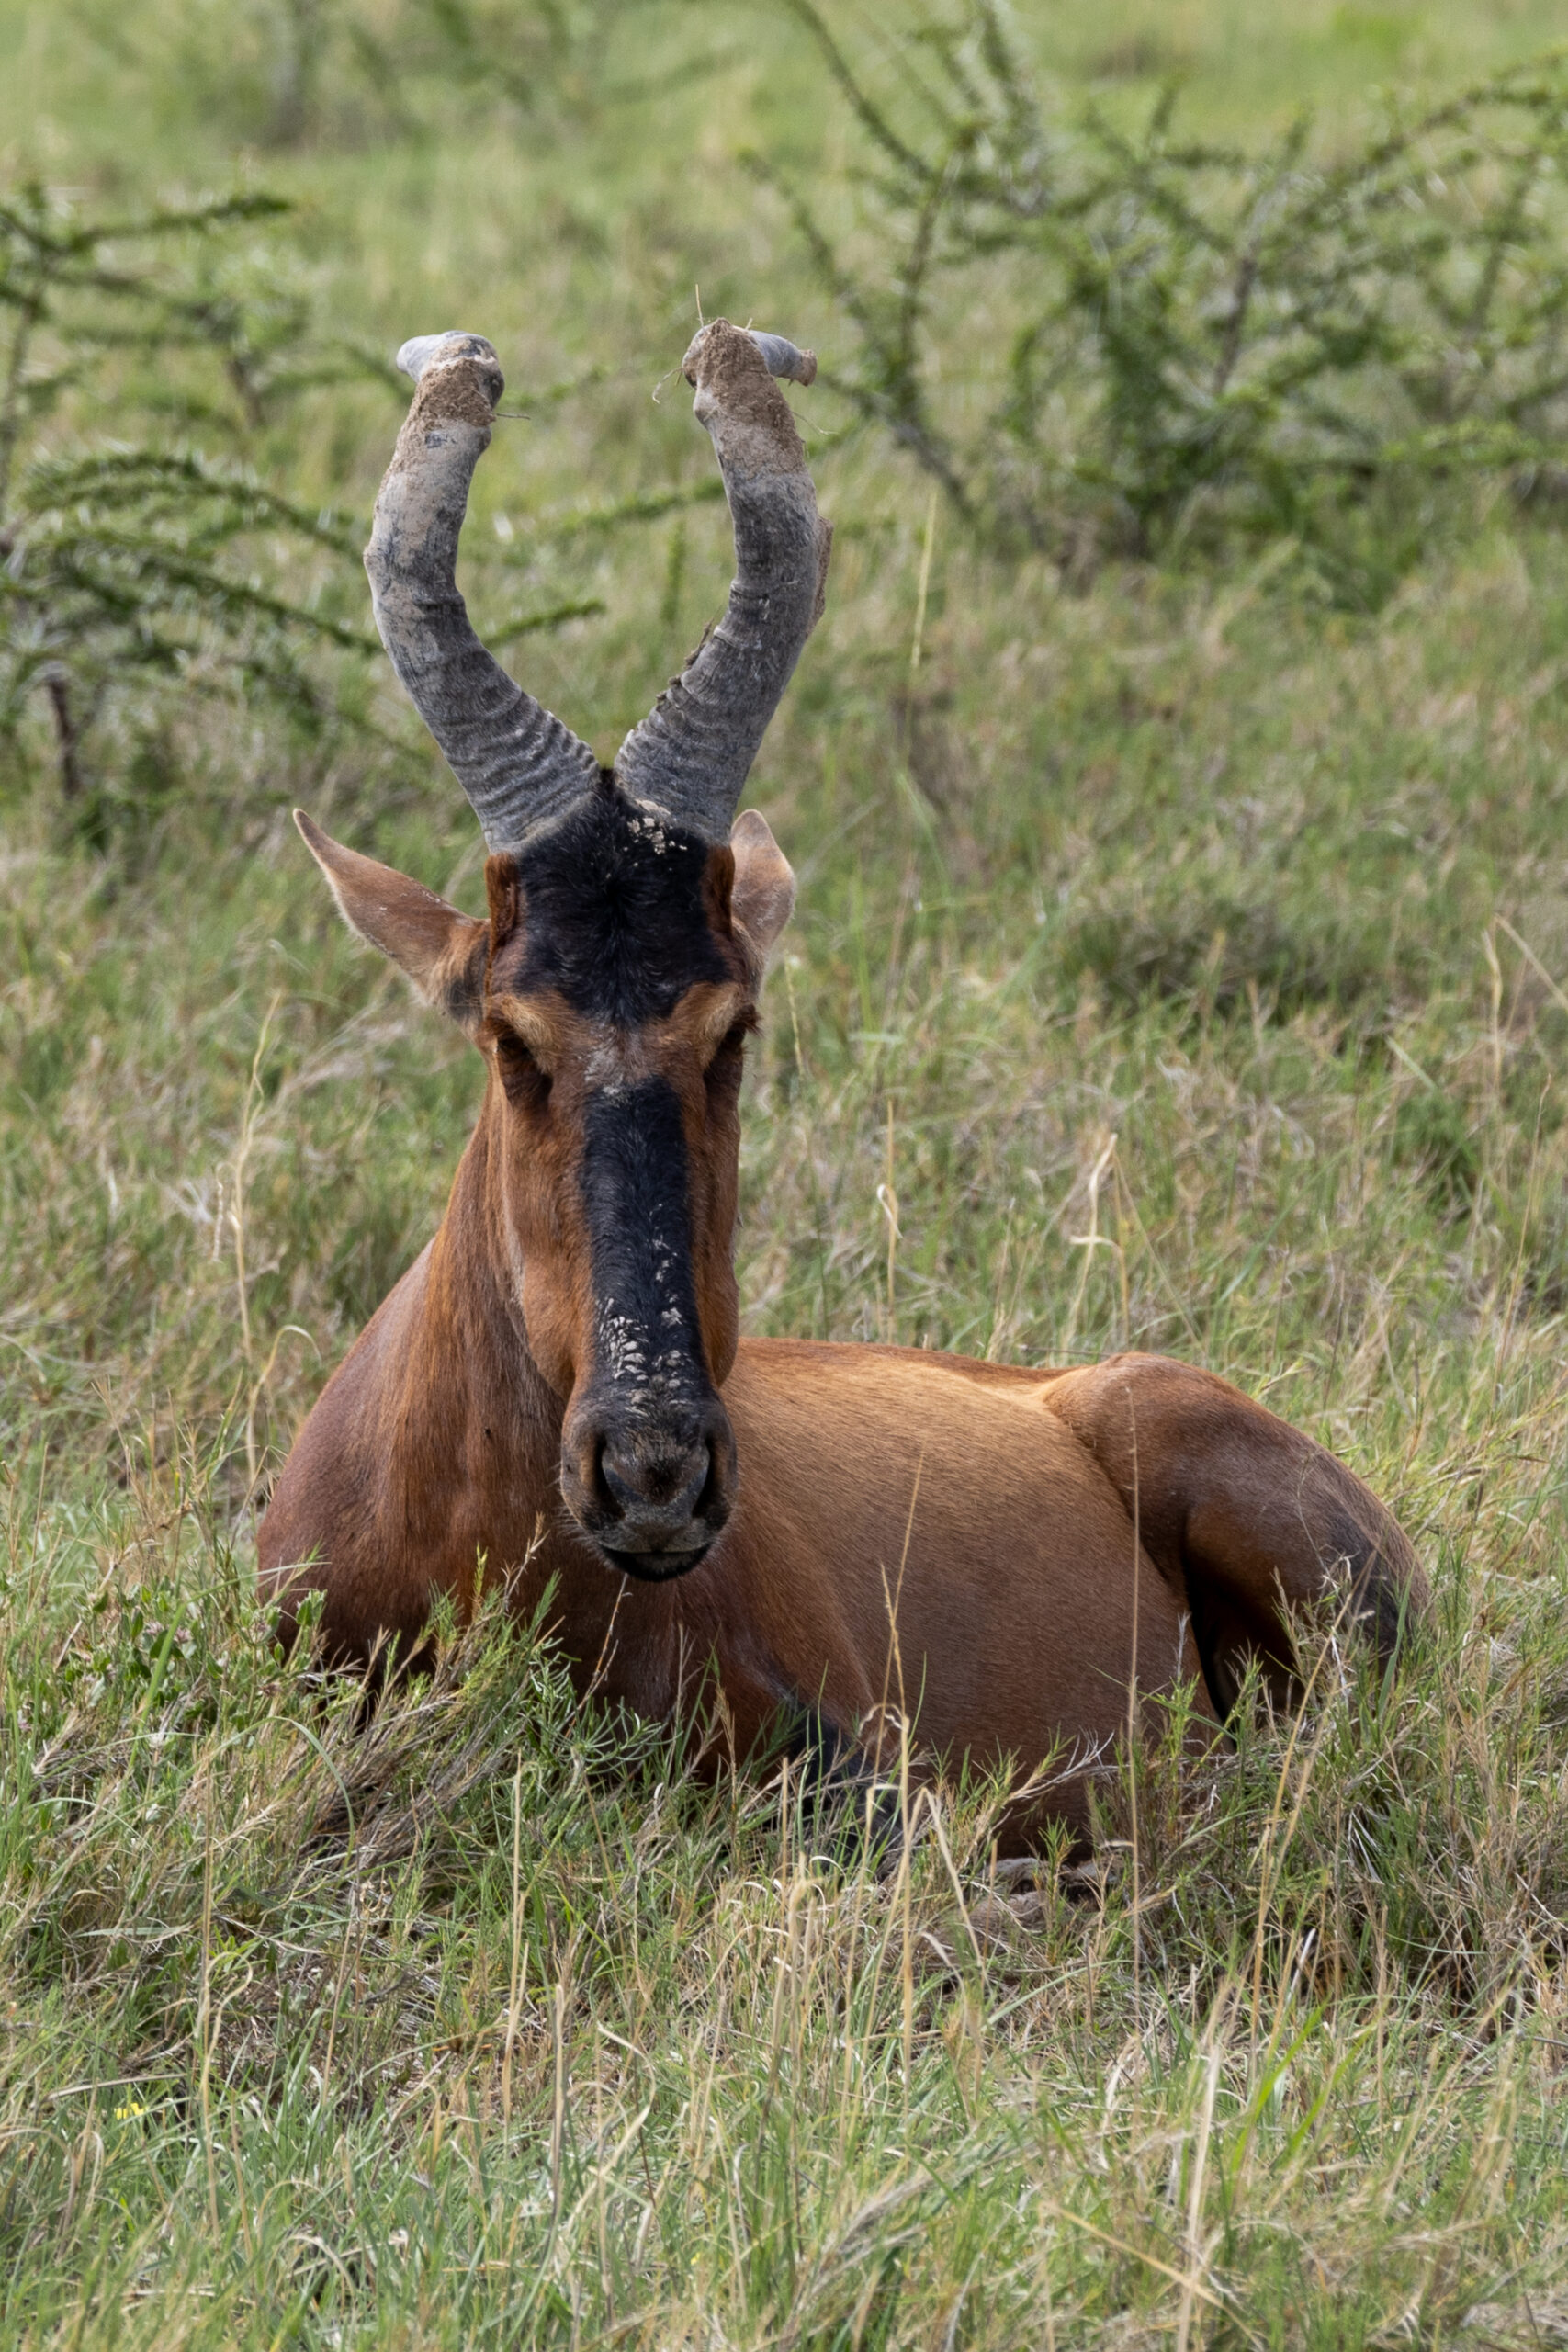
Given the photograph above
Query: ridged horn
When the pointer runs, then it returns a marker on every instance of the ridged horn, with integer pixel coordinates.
(516, 762)
(692, 754)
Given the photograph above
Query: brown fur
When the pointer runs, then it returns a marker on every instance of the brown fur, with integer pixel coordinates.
(967, 1543)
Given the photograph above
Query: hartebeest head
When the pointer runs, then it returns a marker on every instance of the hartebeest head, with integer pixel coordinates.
(613, 983)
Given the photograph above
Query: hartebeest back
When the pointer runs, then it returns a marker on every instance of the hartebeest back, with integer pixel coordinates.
(556, 1388)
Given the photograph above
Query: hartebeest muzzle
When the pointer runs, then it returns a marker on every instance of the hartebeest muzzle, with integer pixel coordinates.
(647, 1455)
(653, 1491)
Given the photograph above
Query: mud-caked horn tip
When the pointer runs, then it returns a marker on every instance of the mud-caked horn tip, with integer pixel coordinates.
(517, 763)
(453, 343)
(691, 755)
(782, 357)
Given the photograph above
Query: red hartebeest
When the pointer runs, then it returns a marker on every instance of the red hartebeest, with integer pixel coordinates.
(557, 1387)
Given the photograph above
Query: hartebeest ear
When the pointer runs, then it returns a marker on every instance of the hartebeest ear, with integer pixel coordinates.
(762, 895)
(443, 952)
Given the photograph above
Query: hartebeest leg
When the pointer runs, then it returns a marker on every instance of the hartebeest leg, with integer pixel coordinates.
(1250, 1515)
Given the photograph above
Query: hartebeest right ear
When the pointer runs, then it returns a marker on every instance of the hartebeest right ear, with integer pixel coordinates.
(761, 898)
(443, 952)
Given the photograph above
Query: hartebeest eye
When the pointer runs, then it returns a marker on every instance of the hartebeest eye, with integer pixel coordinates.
(730, 1054)
(521, 1075)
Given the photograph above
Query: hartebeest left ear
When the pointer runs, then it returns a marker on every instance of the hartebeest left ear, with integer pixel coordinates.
(443, 952)
(762, 897)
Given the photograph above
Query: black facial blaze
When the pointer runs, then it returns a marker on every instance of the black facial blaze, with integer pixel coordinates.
(615, 915)
(646, 1340)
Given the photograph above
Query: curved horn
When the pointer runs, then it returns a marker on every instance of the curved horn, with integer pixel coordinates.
(692, 754)
(516, 762)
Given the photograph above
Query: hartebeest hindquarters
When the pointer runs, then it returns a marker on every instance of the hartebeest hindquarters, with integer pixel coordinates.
(556, 1387)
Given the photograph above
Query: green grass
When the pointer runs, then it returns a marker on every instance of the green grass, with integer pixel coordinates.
(1191, 961)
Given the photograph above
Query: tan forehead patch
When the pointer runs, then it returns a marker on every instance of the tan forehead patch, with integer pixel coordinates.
(703, 1017)
(546, 1024)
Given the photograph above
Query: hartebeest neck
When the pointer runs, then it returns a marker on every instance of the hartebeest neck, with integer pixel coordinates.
(477, 1272)
(478, 1384)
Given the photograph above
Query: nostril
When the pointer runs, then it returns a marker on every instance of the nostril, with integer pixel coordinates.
(690, 1498)
(619, 1488)
(711, 1501)
(592, 1469)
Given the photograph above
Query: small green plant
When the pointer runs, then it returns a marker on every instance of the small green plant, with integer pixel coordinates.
(1098, 340)
(128, 562)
